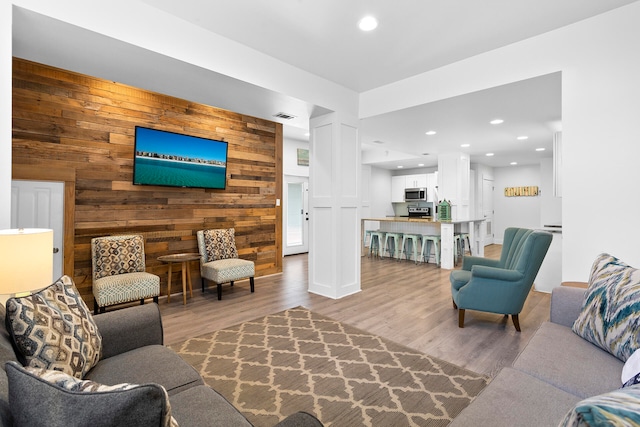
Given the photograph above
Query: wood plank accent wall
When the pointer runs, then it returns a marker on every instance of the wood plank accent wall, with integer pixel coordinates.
(79, 130)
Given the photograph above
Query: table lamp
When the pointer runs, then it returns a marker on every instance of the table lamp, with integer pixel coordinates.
(26, 261)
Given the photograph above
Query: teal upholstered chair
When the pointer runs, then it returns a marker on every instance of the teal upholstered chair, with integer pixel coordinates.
(500, 286)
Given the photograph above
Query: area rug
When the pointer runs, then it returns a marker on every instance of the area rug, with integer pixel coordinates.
(297, 360)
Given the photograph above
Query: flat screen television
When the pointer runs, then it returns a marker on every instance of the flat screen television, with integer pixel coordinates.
(176, 160)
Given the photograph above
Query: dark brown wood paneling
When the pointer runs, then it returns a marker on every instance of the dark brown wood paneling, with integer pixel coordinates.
(85, 125)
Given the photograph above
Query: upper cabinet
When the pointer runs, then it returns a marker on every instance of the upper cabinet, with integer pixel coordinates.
(398, 184)
(432, 183)
(416, 181)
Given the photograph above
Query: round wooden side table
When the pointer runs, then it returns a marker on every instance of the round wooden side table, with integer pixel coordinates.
(184, 259)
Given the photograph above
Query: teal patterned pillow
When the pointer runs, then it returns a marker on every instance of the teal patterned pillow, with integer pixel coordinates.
(618, 408)
(610, 313)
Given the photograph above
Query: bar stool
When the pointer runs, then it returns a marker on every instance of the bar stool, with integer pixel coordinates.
(367, 233)
(464, 236)
(375, 244)
(396, 242)
(414, 241)
(427, 242)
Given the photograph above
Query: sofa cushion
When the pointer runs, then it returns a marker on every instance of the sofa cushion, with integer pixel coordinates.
(201, 405)
(150, 364)
(609, 316)
(54, 329)
(220, 244)
(617, 408)
(516, 399)
(40, 397)
(560, 357)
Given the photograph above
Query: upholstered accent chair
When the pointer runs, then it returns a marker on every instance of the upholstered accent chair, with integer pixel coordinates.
(119, 276)
(219, 262)
(500, 286)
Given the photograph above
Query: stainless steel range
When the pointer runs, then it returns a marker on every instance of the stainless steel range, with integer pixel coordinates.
(418, 211)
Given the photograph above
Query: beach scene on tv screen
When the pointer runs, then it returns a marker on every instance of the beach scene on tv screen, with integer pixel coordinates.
(165, 158)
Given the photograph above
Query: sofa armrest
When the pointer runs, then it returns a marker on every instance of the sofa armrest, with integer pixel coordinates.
(566, 304)
(129, 328)
(300, 419)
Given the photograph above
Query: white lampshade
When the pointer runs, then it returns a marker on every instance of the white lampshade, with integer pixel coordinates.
(26, 260)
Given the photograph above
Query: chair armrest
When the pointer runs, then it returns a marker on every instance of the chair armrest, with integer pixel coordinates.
(495, 273)
(129, 328)
(470, 261)
(566, 304)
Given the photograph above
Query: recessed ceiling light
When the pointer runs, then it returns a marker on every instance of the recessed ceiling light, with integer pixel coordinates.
(465, 145)
(307, 134)
(400, 167)
(496, 121)
(513, 163)
(368, 23)
(522, 138)
(539, 149)
(489, 154)
(421, 164)
(431, 132)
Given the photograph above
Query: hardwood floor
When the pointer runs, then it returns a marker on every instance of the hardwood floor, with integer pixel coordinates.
(407, 303)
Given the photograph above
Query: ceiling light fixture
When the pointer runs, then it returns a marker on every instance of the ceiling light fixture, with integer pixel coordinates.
(539, 149)
(465, 145)
(522, 138)
(489, 154)
(368, 23)
(431, 132)
(420, 164)
(400, 167)
(496, 121)
(513, 163)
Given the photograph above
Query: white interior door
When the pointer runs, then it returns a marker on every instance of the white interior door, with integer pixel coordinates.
(40, 204)
(296, 215)
(487, 209)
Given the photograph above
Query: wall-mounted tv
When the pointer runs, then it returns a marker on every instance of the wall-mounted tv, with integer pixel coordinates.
(176, 160)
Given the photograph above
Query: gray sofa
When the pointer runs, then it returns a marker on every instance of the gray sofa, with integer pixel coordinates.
(556, 370)
(133, 353)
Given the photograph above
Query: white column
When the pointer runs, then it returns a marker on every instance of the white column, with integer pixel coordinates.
(454, 174)
(6, 24)
(334, 206)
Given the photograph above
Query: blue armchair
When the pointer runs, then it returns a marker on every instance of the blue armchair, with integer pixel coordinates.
(500, 286)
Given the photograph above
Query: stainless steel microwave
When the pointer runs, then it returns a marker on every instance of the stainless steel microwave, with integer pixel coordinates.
(415, 194)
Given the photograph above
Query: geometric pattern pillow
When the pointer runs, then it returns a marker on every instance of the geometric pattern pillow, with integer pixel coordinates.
(114, 255)
(610, 315)
(54, 329)
(83, 402)
(220, 244)
(617, 408)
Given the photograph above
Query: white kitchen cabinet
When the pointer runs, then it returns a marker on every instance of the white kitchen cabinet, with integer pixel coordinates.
(432, 183)
(416, 181)
(397, 188)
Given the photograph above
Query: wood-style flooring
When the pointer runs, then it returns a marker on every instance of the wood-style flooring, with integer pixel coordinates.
(404, 302)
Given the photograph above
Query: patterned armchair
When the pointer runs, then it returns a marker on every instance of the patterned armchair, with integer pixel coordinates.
(119, 274)
(219, 262)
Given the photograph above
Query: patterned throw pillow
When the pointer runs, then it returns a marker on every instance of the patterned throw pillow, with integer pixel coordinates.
(83, 402)
(617, 408)
(54, 329)
(220, 244)
(610, 313)
(117, 255)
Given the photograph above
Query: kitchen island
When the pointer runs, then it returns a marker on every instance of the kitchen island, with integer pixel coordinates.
(427, 225)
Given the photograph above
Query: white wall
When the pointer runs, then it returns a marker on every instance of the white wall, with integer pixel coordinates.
(600, 91)
(290, 164)
(5, 114)
(380, 193)
(515, 211)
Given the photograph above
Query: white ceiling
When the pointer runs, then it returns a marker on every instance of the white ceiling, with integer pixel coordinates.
(321, 37)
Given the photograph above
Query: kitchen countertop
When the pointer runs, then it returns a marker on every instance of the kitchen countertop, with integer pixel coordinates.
(425, 219)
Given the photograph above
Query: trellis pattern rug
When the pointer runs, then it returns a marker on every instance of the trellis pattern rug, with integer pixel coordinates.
(299, 360)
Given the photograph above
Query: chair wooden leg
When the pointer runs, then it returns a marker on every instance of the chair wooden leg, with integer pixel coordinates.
(219, 291)
(103, 309)
(461, 318)
(232, 283)
(516, 322)
(141, 301)
(454, 304)
(155, 299)
(95, 306)
(202, 285)
(253, 286)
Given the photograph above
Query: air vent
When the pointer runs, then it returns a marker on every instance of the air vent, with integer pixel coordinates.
(284, 116)
(377, 141)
